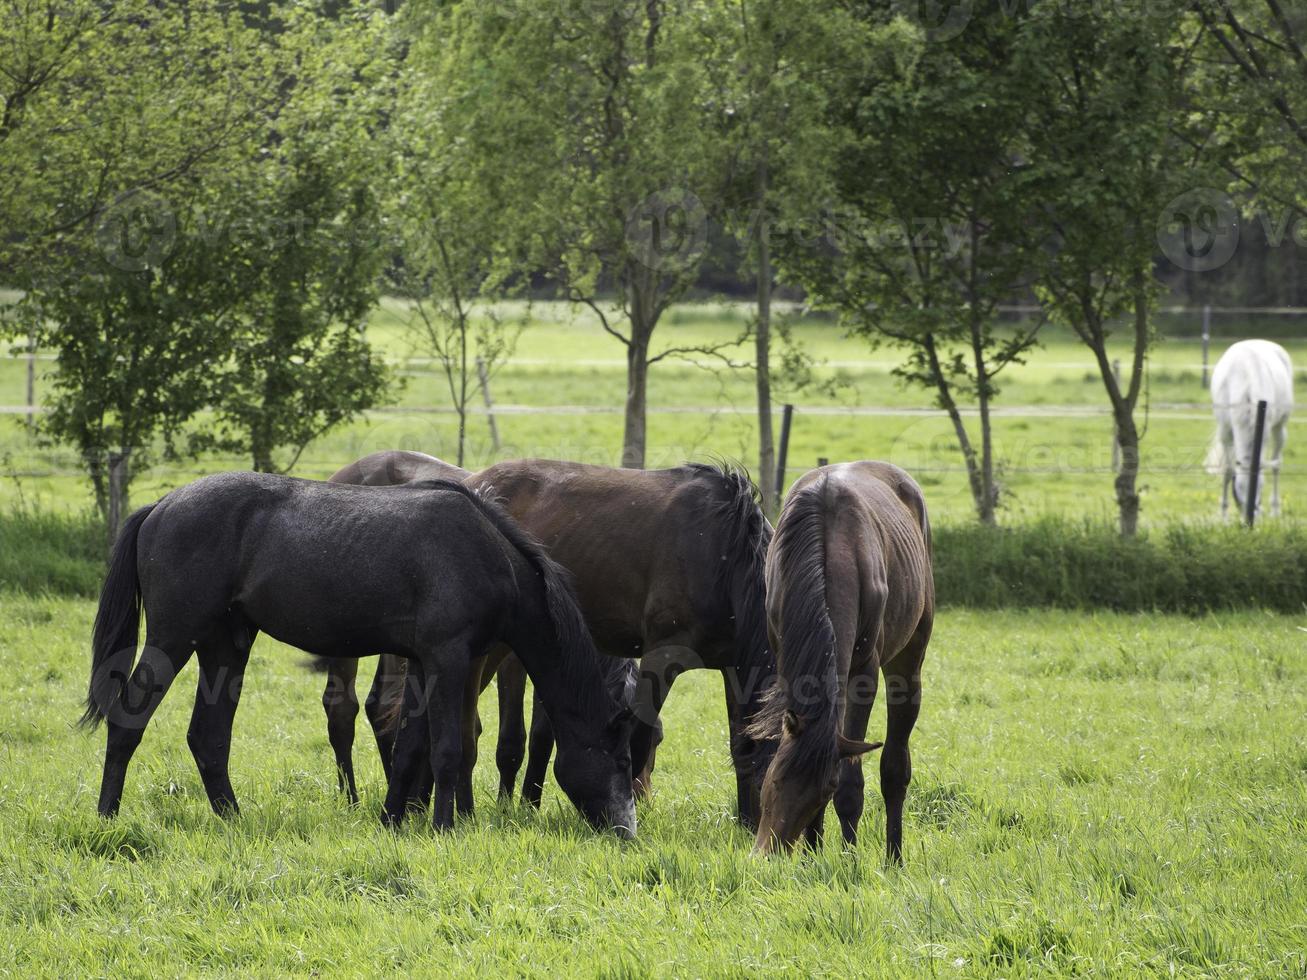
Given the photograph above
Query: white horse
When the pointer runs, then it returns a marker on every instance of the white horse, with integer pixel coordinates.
(1249, 372)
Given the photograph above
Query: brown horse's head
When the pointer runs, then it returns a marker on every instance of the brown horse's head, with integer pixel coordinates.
(801, 779)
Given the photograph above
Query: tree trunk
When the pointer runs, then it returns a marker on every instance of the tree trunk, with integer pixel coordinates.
(637, 377)
(985, 505)
(974, 476)
(1127, 495)
(762, 346)
(119, 481)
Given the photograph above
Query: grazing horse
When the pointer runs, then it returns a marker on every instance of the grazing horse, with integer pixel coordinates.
(340, 698)
(431, 572)
(668, 567)
(850, 592)
(1249, 372)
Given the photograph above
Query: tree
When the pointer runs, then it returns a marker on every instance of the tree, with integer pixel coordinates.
(592, 131)
(449, 230)
(927, 224)
(1259, 85)
(306, 244)
(771, 75)
(1106, 90)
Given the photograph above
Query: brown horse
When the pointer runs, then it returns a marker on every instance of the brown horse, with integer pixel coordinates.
(850, 592)
(668, 566)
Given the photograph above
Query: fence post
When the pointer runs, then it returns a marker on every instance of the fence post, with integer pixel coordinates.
(490, 405)
(787, 416)
(1207, 339)
(1255, 468)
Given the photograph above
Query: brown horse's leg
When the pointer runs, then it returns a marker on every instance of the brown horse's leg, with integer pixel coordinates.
(341, 703)
(511, 747)
(741, 689)
(128, 716)
(849, 791)
(902, 703)
(384, 705)
(217, 695)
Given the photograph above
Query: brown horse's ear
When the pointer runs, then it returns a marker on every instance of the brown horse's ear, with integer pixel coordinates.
(794, 723)
(852, 749)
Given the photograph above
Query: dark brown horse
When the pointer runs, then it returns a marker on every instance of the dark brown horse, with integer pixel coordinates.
(850, 593)
(668, 567)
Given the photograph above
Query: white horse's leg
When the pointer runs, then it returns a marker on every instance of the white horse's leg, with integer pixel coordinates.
(1225, 495)
(1278, 435)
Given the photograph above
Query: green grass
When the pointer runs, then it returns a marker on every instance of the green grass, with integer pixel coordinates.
(1047, 465)
(1103, 794)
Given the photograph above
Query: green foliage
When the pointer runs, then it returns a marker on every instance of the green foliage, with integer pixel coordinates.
(44, 553)
(1185, 568)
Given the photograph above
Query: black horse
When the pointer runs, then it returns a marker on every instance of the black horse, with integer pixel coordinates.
(431, 572)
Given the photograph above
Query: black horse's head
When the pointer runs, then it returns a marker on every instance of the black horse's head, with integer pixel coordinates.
(593, 768)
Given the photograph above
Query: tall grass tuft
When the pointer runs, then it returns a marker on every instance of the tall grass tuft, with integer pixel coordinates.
(44, 553)
(1184, 568)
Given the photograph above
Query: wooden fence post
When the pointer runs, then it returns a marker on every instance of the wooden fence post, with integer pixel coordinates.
(1255, 468)
(787, 416)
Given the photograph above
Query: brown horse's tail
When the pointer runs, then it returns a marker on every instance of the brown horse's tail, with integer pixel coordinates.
(117, 624)
(805, 699)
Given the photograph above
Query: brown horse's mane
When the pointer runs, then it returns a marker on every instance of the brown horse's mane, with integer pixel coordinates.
(807, 640)
(738, 513)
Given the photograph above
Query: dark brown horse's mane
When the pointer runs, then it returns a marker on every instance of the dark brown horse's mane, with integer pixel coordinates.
(739, 512)
(805, 696)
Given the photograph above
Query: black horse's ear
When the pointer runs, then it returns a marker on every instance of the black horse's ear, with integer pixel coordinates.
(794, 722)
(623, 717)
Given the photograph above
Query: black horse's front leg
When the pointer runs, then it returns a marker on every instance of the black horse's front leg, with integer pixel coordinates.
(410, 767)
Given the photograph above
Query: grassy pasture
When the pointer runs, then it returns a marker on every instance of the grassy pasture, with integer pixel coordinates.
(1093, 795)
(1054, 449)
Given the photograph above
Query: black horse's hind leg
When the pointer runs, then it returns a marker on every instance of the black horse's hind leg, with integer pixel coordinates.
(850, 797)
(217, 695)
(511, 747)
(903, 703)
(450, 665)
(128, 716)
(542, 746)
(470, 726)
(341, 703)
(409, 784)
(384, 705)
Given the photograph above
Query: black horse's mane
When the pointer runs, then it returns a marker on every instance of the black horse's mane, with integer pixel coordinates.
(807, 640)
(584, 668)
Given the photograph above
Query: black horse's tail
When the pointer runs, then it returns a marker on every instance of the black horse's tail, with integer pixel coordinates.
(117, 623)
